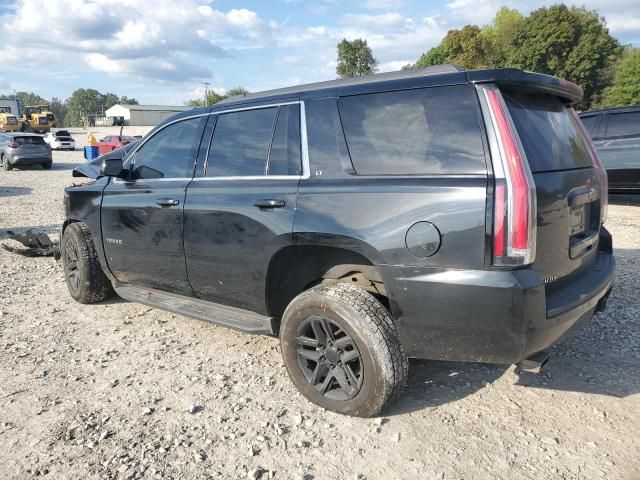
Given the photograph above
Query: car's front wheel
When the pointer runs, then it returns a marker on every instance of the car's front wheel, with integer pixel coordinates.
(341, 349)
(86, 281)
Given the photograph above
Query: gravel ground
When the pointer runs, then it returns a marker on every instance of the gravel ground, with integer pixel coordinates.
(122, 391)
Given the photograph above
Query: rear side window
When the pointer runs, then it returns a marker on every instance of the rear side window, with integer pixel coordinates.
(170, 153)
(284, 157)
(549, 134)
(29, 140)
(425, 131)
(241, 142)
(623, 124)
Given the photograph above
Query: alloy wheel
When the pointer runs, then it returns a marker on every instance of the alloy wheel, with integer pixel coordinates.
(329, 358)
(71, 262)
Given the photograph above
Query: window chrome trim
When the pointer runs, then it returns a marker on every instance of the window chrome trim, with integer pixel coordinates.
(304, 146)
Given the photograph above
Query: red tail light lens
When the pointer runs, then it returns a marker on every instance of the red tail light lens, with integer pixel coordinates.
(514, 210)
(602, 173)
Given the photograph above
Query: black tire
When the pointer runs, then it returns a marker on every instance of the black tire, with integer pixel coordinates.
(374, 380)
(4, 162)
(47, 166)
(86, 281)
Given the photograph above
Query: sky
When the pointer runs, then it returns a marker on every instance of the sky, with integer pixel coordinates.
(161, 51)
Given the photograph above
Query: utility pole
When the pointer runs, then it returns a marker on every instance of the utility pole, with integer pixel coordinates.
(206, 93)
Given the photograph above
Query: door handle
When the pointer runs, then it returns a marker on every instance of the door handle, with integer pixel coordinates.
(269, 203)
(167, 202)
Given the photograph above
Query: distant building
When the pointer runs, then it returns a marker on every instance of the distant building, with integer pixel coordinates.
(141, 115)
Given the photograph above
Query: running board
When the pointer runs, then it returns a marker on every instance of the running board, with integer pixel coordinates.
(202, 310)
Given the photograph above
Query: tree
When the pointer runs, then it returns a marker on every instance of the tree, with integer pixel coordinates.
(355, 59)
(572, 43)
(59, 109)
(625, 89)
(213, 97)
(498, 35)
(124, 100)
(435, 56)
(465, 47)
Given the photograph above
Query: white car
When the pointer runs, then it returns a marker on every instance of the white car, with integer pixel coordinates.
(60, 140)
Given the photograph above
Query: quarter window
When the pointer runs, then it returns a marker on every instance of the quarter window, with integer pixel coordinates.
(414, 132)
(240, 144)
(623, 124)
(170, 153)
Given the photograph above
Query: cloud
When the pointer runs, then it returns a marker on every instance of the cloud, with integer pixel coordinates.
(383, 4)
(150, 39)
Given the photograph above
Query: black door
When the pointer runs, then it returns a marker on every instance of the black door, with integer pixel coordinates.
(142, 219)
(241, 211)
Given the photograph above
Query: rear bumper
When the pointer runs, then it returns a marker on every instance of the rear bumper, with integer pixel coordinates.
(491, 316)
(29, 160)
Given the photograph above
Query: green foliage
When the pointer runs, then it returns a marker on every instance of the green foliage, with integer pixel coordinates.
(213, 97)
(84, 102)
(26, 98)
(435, 56)
(59, 108)
(355, 59)
(498, 35)
(465, 47)
(625, 89)
(570, 43)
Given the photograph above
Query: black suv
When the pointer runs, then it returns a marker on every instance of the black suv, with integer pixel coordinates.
(439, 214)
(616, 135)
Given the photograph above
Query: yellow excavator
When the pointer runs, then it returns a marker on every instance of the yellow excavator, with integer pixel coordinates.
(8, 121)
(38, 118)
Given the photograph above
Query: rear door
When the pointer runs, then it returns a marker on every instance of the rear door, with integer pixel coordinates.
(568, 186)
(142, 219)
(240, 212)
(619, 147)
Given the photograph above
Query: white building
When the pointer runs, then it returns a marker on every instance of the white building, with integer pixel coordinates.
(142, 115)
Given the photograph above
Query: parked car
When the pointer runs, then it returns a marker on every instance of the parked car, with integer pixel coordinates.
(616, 135)
(91, 168)
(60, 140)
(21, 149)
(112, 142)
(438, 213)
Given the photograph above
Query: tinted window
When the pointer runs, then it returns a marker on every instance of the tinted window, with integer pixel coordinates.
(549, 134)
(414, 132)
(241, 143)
(170, 153)
(590, 124)
(29, 140)
(284, 157)
(622, 124)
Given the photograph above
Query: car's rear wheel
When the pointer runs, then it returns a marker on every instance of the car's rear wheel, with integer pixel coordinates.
(4, 163)
(341, 349)
(86, 281)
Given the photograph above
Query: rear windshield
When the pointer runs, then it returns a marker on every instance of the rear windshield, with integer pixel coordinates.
(29, 140)
(426, 131)
(549, 134)
(63, 133)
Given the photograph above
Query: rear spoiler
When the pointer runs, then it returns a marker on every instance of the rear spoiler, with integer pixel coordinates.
(539, 82)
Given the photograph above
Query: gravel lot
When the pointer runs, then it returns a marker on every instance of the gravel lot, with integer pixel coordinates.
(122, 391)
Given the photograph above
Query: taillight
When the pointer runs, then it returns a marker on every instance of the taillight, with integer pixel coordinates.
(602, 173)
(514, 206)
(13, 145)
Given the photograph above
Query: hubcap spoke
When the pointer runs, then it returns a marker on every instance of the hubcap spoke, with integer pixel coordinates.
(304, 341)
(320, 370)
(350, 356)
(322, 388)
(312, 355)
(341, 376)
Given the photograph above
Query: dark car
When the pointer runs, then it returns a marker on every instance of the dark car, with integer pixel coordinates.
(439, 213)
(112, 142)
(24, 149)
(616, 135)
